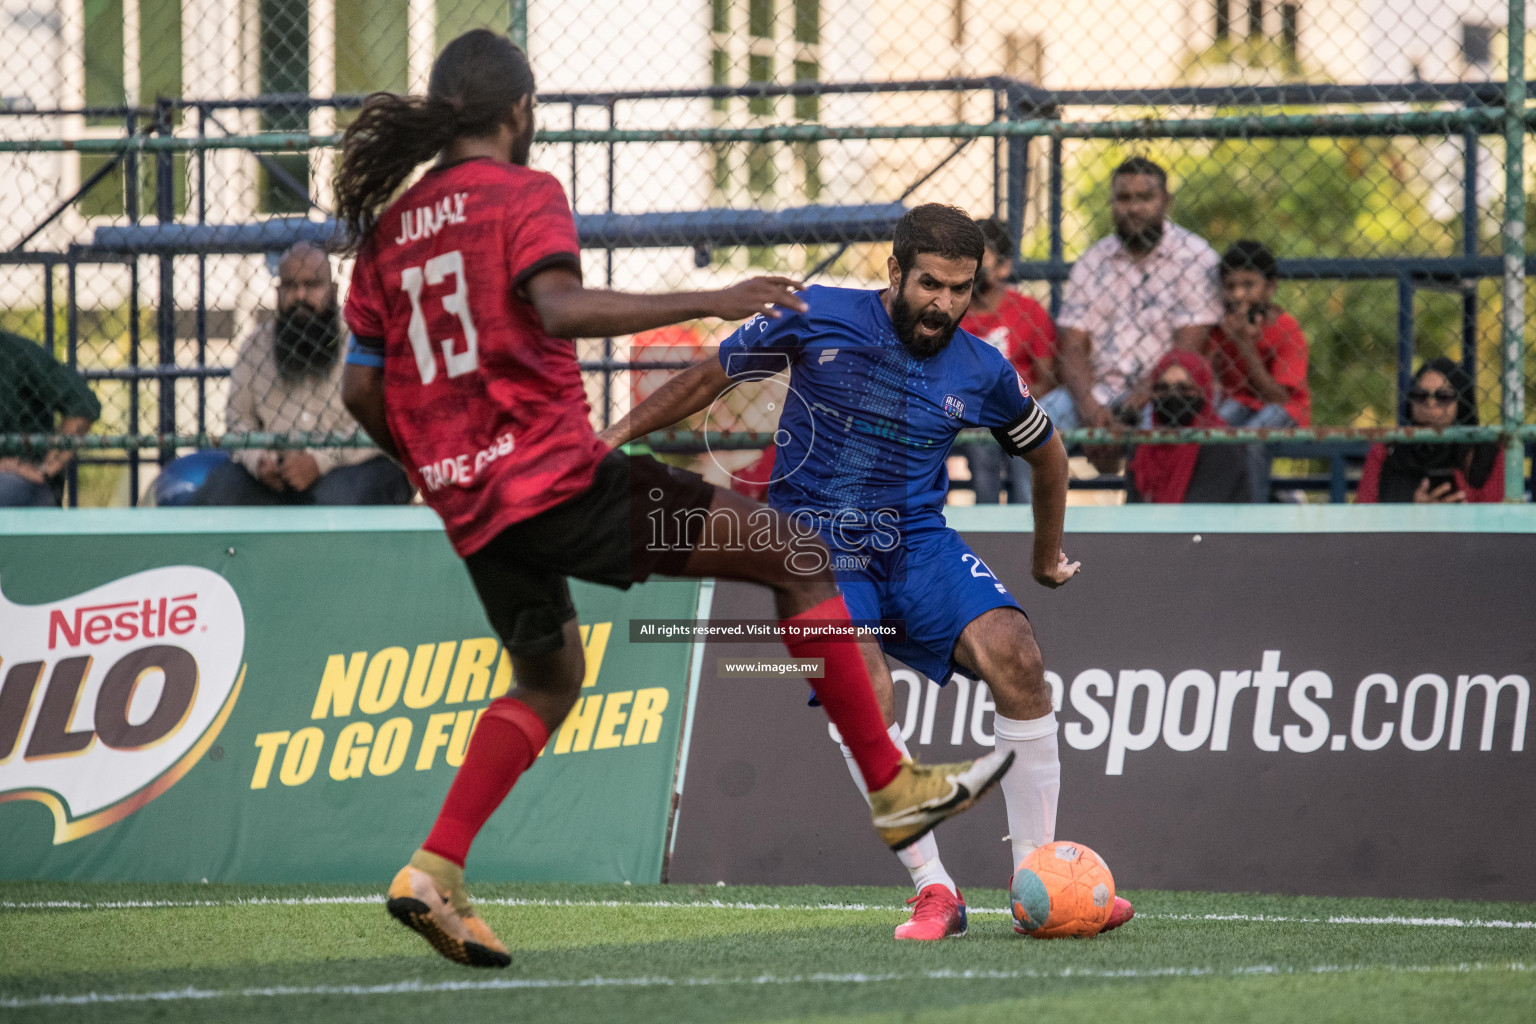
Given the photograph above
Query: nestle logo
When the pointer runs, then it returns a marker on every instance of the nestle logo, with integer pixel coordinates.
(122, 620)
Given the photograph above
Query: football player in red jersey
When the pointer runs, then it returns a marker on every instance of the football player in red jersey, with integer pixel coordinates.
(465, 295)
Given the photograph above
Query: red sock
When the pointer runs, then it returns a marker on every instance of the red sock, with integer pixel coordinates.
(507, 739)
(845, 691)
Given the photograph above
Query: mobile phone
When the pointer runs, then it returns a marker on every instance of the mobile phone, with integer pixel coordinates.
(1436, 477)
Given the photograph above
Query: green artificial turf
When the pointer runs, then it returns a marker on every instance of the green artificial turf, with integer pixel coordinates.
(667, 953)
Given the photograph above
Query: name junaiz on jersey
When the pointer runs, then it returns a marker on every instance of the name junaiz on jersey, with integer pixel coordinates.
(425, 221)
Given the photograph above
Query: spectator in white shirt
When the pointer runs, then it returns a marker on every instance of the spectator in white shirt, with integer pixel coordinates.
(1149, 288)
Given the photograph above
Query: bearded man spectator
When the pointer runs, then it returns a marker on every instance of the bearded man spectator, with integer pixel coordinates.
(287, 378)
(1148, 289)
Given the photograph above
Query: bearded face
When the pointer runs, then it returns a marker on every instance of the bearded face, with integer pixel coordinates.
(308, 340)
(923, 334)
(1139, 204)
(929, 300)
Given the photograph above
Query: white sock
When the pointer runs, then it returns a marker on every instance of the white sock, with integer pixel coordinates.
(1031, 789)
(921, 859)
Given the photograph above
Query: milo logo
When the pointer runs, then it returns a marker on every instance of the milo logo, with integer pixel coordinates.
(107, 699)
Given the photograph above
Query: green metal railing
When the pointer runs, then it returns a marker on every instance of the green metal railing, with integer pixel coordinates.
(1244, 126)
(701, 439)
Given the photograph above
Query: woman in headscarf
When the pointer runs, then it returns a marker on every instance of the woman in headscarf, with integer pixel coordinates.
(1182, 386)
(1442, 396)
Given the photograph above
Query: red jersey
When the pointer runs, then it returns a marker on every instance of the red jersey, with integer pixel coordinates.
(1020, 329)
(488, 410)
(1283, 348)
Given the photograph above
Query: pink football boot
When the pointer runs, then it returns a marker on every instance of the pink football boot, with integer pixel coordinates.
(938, 914)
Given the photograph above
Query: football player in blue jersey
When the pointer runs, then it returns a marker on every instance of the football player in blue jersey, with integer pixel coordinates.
(880, 383)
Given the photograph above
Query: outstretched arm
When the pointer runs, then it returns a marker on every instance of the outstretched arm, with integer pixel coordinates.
(676, 400)
(569, 310)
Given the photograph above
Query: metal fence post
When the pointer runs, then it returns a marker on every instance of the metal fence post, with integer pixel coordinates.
(1404, 344)
(72, 358)
(1018, 172)
(518, 28)
(1514, 251)
(202, 275)
(1058, 249)
(613, 157)
(1470, 219)
(131, 203)
(165, 315)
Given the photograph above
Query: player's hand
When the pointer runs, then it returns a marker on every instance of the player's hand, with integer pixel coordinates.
(300, 470)
(769, 296)
(1060, 574)
(1445, 494)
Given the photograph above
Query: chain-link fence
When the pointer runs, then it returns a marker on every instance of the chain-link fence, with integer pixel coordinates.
(159, 154)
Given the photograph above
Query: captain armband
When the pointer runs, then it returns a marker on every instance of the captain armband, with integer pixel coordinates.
(1026, 433)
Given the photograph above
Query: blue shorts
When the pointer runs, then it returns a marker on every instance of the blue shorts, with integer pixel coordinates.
(934, 584)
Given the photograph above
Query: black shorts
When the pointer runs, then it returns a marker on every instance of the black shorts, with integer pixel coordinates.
(606, 534)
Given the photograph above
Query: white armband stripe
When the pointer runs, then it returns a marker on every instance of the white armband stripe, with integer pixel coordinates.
(1028, 431)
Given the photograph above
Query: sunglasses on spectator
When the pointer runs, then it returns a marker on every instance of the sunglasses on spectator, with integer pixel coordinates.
(1445, 396)
(1163, 389)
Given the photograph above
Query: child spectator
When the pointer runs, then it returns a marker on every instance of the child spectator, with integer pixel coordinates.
(1259, 355)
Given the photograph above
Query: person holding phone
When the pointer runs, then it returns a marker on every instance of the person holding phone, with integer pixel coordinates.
(1259, 354)
(1442, 395)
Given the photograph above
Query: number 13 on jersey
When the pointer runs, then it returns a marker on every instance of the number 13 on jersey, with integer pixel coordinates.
(434, 272)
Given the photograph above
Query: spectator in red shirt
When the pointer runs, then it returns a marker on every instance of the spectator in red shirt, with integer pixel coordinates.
(1259, 355)
(1020, 328)
(1442, 396)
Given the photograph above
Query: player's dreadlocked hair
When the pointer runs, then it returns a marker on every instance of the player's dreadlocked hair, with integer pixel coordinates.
(475, 82)
(946, 231)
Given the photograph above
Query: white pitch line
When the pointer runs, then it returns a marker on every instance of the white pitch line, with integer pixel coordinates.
(512, 901)
(503, 984)
(1420, 922)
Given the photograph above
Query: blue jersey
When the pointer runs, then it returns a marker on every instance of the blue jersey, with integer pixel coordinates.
(866, 426)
